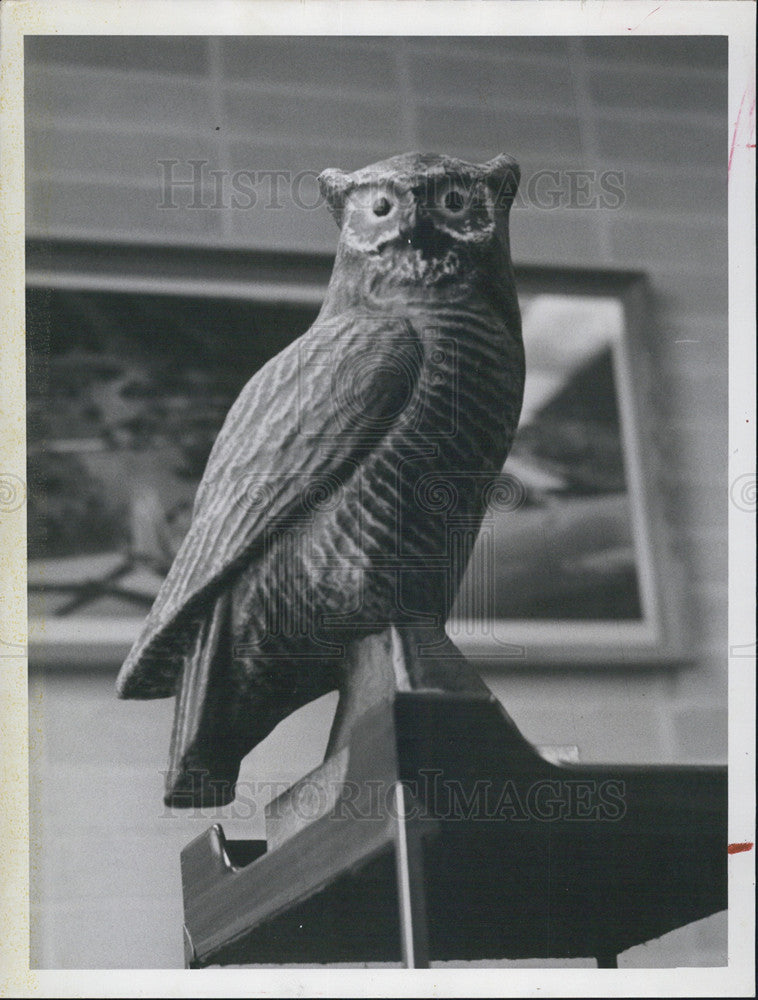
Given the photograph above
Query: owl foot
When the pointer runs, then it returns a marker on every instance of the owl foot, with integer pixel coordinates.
(374, 668)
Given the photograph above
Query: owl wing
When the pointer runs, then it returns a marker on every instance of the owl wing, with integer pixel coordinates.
(302, 423)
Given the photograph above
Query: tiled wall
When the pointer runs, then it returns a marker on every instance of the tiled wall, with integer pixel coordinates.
(102, 114)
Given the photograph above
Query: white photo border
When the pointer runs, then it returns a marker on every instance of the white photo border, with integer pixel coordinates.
(475, 17)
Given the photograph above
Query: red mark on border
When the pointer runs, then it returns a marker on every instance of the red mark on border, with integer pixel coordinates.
(748, 145)
(739, 848)
(734, 134)
(643, 19)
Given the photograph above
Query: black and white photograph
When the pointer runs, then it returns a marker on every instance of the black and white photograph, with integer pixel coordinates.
(381, 472)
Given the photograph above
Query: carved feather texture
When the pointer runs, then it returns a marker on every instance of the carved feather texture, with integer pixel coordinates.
(328, 502)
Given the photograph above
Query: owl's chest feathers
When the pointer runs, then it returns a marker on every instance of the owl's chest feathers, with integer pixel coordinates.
(459, 420)
(468, 358)
(435, 462)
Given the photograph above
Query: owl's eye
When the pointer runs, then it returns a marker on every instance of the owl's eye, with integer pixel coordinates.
(454, 202)
(381, 206)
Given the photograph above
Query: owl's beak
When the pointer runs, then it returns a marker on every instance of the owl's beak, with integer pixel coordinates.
(416, 228)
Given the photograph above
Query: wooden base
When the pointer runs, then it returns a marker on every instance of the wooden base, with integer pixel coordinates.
(438, 833)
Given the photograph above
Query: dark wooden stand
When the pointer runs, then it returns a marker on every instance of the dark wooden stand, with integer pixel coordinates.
(437, 832)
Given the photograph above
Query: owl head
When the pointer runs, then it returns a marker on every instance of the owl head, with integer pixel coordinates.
(422, 219)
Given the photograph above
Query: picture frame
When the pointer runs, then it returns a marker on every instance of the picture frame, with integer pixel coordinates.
(144, 350)
(603, 584)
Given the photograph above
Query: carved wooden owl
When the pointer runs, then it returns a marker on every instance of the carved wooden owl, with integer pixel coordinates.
(344, 491)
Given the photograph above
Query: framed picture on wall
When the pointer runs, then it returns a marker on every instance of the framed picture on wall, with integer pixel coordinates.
(134, 357)
(572, 564)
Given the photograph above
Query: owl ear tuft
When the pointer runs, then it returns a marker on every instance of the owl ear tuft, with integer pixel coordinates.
(502, 174)
(335, 185)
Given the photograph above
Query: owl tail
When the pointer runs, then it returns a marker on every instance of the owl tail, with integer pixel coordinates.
(208, 739)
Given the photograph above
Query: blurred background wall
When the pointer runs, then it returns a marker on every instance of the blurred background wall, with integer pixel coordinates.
(101, 114)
